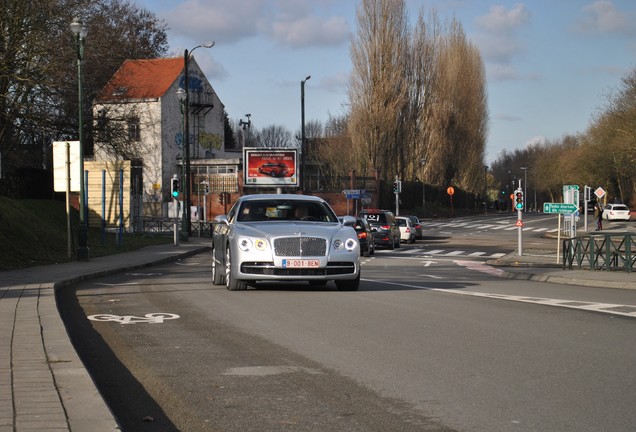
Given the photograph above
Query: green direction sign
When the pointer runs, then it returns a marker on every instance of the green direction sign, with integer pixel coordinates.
(561, 208)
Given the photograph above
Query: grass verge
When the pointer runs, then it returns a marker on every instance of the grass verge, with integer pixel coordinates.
(34, 232)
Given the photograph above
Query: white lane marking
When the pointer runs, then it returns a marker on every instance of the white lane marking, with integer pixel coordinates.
(269, 370)
(143, 274)
(607, 308)
(115, 284)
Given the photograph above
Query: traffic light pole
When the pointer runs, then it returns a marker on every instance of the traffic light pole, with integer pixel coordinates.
(520, 232)
(174, 192)
(519, 205)
(397, 189)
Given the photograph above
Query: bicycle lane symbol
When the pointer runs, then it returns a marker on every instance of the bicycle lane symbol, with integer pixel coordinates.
(151, 318)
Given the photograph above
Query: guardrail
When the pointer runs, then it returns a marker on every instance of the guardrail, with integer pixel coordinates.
(601, 251)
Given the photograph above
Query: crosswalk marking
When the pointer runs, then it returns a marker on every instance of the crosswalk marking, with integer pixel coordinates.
(419, 252)
(480, 225)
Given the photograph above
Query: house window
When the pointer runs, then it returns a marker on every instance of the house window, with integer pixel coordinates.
(133, 129)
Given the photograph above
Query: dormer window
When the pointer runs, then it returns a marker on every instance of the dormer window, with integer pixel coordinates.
(120, 91)
(133, 129)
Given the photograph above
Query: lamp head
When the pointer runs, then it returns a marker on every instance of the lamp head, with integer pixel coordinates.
(181, 94)
(78, 28)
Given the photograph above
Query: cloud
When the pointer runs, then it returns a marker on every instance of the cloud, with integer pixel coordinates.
(602, 17)
(508, 118)
(498, 42)
(296, 23)
(310, 31)
(538, 140)
(502, 21)
(223, 20)
(335, 83)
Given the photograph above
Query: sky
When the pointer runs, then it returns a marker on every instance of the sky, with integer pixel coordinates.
(550, 64)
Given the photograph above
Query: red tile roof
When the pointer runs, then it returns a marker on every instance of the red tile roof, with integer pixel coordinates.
(139, 79)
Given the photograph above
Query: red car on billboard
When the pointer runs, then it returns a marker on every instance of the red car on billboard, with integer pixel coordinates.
(274, 169)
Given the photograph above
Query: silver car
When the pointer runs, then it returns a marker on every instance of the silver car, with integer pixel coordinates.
(284, 237)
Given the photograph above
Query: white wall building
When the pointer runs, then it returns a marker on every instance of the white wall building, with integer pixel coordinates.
(138, 116)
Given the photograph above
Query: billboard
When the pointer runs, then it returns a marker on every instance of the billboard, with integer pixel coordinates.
(270, 167)
(63, 153)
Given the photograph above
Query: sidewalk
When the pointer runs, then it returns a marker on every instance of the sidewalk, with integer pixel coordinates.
(43, 383)
(540, 265)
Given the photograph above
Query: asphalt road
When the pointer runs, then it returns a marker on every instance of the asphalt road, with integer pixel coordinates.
(432, 341)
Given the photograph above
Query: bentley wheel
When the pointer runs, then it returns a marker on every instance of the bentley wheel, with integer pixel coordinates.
(232, 283)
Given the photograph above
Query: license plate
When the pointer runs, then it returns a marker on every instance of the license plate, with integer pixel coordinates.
(300, 263)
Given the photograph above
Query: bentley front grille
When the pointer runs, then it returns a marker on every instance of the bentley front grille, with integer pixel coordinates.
(300, 246)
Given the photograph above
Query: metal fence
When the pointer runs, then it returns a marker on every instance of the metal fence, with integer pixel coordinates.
(166, 226)
(601, 251)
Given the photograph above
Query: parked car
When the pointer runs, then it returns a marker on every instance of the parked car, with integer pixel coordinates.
(407, 231)
(417, 225)
(365, 237)
(284, 237)
(613, 212)
(385, 229)
(274, 169)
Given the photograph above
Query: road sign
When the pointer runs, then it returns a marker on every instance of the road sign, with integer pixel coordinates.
(561, 208)
(351, 193)
(570, 187)
(600, 193)
(519, 223)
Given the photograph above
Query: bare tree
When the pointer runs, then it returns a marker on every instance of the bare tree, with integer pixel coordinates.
(418, 98)
(458, 125)
(379, 86)
(38, 85)
(274, 136)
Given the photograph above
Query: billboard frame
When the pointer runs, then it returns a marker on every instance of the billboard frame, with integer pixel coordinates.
(270, 167)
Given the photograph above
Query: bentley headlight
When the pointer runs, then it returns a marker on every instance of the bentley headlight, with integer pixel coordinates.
(245, 244)
(348, 244)
(260, 244)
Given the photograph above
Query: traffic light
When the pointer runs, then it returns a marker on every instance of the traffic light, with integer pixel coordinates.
(519, 199)
(397, 187)
(174, 188)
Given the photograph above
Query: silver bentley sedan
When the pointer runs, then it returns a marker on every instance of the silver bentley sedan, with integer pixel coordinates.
(284, 237)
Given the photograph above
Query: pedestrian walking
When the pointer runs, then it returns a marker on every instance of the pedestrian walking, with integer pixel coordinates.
(598, 214)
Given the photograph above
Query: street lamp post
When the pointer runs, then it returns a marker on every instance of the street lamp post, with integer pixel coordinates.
(79, 30)
(423, 165)
(186, 228)
(302, 133)
(485, 189)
